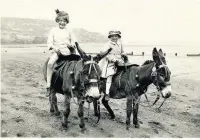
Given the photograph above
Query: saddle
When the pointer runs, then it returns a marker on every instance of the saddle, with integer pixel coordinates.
(115, 90)
(66, 58)
(123, 66)
(64, 63)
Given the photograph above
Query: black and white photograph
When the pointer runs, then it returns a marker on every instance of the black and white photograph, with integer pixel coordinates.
(100, 68)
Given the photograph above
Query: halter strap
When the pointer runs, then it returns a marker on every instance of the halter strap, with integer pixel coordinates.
(93, 80)
(154, 71)
(161, 66)
(90, 62)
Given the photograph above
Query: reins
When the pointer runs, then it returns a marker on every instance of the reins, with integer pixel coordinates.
(153, 74)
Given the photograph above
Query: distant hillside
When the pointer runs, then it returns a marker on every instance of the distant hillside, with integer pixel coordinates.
(34, 31)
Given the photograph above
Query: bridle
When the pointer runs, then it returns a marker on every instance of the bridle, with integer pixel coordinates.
(88, 81)
(92, 64)
(155, 78)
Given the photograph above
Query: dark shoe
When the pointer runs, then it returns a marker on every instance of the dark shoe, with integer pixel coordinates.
(48, 92)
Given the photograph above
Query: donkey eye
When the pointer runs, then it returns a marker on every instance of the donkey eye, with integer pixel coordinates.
(162, 74)
(161, 78)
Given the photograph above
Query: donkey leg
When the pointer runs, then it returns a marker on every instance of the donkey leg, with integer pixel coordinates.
(81, 113)
(67, 110)
(51, 104)
(95, 108)
(135, 115)
(107, 106)
(54, 102)
(128, 111)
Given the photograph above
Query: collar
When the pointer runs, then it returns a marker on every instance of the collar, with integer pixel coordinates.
(115, 43)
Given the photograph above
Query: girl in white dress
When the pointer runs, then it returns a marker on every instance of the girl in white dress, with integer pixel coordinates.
(61, 40)
(107, 63)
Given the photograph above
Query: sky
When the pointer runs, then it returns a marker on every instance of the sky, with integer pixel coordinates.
(140, 21)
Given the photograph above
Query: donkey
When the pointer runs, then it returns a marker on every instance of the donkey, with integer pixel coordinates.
(132, 82)
(75, 77)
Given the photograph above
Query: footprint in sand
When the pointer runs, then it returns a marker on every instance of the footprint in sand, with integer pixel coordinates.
(28, 103)
(3, 100)
(4, 133)
(120, 121)
(110, 135)
(18, 119)
(43, 113)
(2, 112)
(27, 95)
(145, 136)
(3, 93)
(173, 125)
(185, 113)
(73, 134)
(155, 131)
(158, 125)
(3, 122)
(42, 97)
(196, 120)
(20, 134)
(35, 84)
(155, 125)
(184, 95)
(45, 135)
(197, 115)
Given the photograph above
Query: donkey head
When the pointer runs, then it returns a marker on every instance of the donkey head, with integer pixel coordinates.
(161, 73)
(91, 73)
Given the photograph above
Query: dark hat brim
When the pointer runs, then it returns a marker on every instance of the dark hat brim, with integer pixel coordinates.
(109, 36)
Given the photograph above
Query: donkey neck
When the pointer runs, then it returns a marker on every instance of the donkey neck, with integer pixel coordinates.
(144, 74)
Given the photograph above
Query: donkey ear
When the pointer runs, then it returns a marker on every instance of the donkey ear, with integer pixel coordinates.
(155, 53)
(156, 57)
(80, 51)
(160, 51)
(57, 11)
(162, 56)
(101, 55)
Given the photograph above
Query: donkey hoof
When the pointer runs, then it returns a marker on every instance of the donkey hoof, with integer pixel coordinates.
(65, 125)
(107, 98)
(127, 127)
(83, 130)
(113, 118)
(96, 114)
(57, 113)
(158, 110)
(51, 110)
(82, 126)
(137, 125)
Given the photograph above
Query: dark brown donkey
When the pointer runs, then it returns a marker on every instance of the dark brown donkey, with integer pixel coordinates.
(132, 82)
(75, 77)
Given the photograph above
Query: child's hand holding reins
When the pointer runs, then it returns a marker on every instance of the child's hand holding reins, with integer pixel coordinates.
(56, 50)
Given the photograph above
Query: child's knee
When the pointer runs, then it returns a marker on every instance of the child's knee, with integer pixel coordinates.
(50, 64)
(109, 79)
(52, 60)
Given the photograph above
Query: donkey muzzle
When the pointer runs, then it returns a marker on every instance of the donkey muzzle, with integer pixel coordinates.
(166, 92)
(93, 92)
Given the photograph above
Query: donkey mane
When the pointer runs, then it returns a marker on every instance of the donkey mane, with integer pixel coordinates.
(147, 62)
